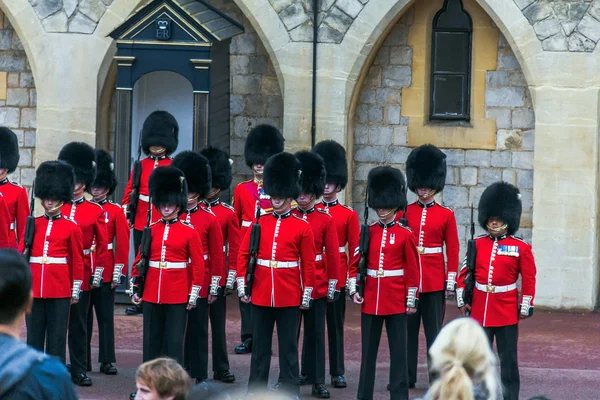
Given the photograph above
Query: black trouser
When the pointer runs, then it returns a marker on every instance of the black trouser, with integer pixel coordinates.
(313, 345)
(196, 340)
(103, 301)
(218, 314)
(164, 323)
(336, 313)
(246, 316)
(137, 241)
(47, 326)
(431, 309)
(264, 319)
(506, 342)
(78, 334)
(371, 327)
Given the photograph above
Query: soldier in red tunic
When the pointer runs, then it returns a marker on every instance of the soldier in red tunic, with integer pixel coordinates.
(327, 271)
(176, 269)
(220, 167)
(348, 232)
(263, 142)
(433, 227)
(501, 257)
(15, 196)
(103, 298)
(281, 286)
(197, 174)
(91, 219)
(391, 285)
(160, 137)
(56, 259)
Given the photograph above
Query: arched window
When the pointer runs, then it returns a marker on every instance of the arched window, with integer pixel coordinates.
(451, 63)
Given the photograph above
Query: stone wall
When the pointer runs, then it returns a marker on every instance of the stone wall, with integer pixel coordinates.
(380, 130)
(17, 99)
(76, 16)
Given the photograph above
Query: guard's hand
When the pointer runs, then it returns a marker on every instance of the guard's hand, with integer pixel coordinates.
(74, 301)
(228, 291)
(114, 285)
(464, 309)
(304, 308)
(190, 306)
(521, 316)
(135, 299)
(411, 310)
(211, 298)
(357, 299)
(245, 299)
(450, 294)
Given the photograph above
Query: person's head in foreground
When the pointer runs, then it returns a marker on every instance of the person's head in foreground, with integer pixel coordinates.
(162, 379)
(15, 291)
(463, 361)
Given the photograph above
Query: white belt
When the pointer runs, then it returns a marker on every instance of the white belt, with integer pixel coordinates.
(206, 257)
(246, 224)
(382, 273)
(145, 198)
(110, 246)
(277, 264)
(342, 249)
(87, 252)
(319, 257)
(495, 289)
(430, 250)
(12, 226)
(167, 265)
(48, 260)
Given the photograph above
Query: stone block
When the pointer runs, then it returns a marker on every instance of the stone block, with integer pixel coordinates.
(280, 5)
(463, 216)
(398, 154)
(569, 26)
(450, 172)
(327, 34)
(398, 35)
(523, 3)
(80, 23)
(501, 159)
(269, 86)
(468, 176)
(525, 179)
(388, 96)
(509, 175)
(522, 160)
(25, 157)
(293, 16)
(26, 80)
(373, 78)
(455, 157)
(455, 196)
(274, 107)
(507, 60)
(241, 127)
(93, 9)
(578, 42)
(527, 199)
(538, 11)
(245, 84)
(557, 42)
(478, 158)
(244, 44)
(29, 139)
(382, 57)
(255, 106)
(517, 78)
(45, 8)
(361, 171)
(6, 39)
(350, 7)
(496, 78)
(17, 97)
(239, 64)
(33, 97)
(20, 134)
(361, 134)
(362, 113)
(505, 97)
(338, 20)
(236, 104)
(368, 96)
(13, 80)
(375, 114)
(546, 28)
(258, 65)
(475, 194)
(27, 176)
(523, 118)
(12, 61)
(302, 33)
(28, 118)
(509, 139)
(393, 115)
(237, 147)
(501, 115)
(400, 135)
(487, 176)
(69, 6)
(374, 154)
(9, 117)
(528, 143)
(381, 135)
(397, 77)
(401, 55)
(590, 28)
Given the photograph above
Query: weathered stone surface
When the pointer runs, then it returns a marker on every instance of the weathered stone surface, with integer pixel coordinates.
(269, 85)
(556, 43)
(93, 9)
(501, 115)
(12, 61)
(45, 8)
(455, 157)
(523, 160)
(523, 3)
(590, 28)
(505, 97)
(509, 139)
(487, 176)
(578, 42)
(244, 44)
(6, 39)
(475, 193)
(370, 154)
(17, 97)
(28, 118)
(501, 159)
(13, 79)
(293, 16)
(398, 154)
(478, 158)
(381, 135)
(327, 34)
(509, 175)
(302, 33)
(280, 5)
(258, 65)
(546, 28)
(361, 134)
(401, 55)
(538, 11)
(455, 196)
(236, 104)
(255, 105)
(375, 114)
(393, 115)
(350, 7)
(398, 36)
(56, 23)
(388, 96)
(468, 176)
(246, 84)
(9, 117)
(525, 179)
(528, 140)
(81, 24)
(523, 118)
(507, 60)
(338, 20)
(397, 76)
(400, 135)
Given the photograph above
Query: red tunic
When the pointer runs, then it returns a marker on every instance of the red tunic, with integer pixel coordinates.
(209, 230)
(348, 232)
(392, 251)
(118, 242)
(7, 239)
(246, 196)
(18, 207)
(497, 267)
(91, 219)
(230, 228)
(284, 239)
(176, 263)
(56, 258)
(141, 214)
(327, 261)
(434, 226)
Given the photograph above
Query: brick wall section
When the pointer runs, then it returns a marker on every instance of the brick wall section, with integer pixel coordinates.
(380, 133)
(17, 99)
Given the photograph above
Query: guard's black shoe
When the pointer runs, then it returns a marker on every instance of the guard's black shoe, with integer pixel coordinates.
(133, 310)
(132, 396)
(319, 391)
(338, 382)
(303, 380)
(224, 376)
(108, 369)
(244, 348)
(81, 380)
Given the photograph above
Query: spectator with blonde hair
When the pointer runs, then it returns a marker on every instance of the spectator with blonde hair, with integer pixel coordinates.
(162, 379)
(463, 361)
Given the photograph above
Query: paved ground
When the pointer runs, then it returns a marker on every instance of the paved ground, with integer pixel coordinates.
(558, 356)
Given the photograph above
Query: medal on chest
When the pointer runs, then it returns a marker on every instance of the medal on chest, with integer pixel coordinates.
(511, 251)
(392, 238)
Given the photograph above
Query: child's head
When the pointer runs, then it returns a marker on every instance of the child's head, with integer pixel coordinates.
(162, 379)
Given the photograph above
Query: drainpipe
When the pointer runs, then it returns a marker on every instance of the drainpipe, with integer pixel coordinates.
(313, 128)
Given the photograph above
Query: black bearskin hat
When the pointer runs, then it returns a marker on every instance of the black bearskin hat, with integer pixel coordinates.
(335, 162)
(426, 168)
(282, 176)
(9, 150)
(82, 157)
(160, 129)
(386, 188)
(501, 200)
(105, 171)
(220, 167)
(168, 186)
(196, 170)
(313, 172)
(54, 180)
(263, 142)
